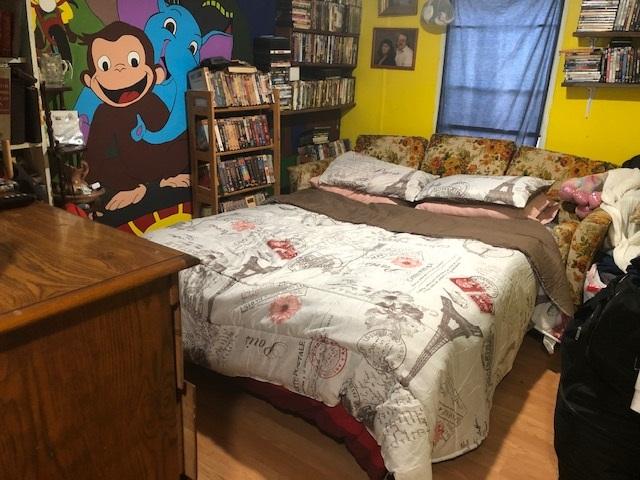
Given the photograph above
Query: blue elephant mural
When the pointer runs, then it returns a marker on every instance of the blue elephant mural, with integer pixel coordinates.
(179, 45)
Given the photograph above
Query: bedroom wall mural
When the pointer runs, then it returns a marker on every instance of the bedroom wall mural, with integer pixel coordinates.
(130, 61)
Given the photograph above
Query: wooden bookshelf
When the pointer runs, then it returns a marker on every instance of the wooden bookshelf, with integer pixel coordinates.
(324, 32)
(324, 65)
(347, 106)
(296, 120)
(201, 106)
(600, 85)
(606, 34)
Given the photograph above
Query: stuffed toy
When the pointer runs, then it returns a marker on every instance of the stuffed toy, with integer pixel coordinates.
(584, 192)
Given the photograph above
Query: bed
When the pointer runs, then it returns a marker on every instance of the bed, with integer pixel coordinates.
(407, 319)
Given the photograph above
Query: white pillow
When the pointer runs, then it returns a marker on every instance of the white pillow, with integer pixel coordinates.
(370, 175)
(501, 190)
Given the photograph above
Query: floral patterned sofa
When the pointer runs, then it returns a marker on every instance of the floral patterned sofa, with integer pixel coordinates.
(445, 155)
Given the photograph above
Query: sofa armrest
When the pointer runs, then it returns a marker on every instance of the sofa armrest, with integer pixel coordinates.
(587, 239)
(299, 175)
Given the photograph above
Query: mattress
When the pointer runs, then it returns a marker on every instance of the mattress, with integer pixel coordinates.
(411, 334)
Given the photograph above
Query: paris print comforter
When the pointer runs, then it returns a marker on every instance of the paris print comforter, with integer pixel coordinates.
(410, 333)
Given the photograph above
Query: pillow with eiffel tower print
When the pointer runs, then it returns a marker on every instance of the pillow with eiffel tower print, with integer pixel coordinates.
(365, 174)
(502, 190)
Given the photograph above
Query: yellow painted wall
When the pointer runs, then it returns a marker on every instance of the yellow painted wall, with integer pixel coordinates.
(611, 131)
(404, 102)
(394, 101)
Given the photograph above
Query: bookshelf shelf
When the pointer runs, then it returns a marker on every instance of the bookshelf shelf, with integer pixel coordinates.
(600, 85)
(24, 146)
(606, 34)
(244, 191)
(325, 32)
(286, 113)
(245, 150)
(201, 107)
(323, 65)
(202, 156)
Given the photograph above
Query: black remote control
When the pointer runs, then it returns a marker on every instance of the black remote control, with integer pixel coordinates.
(14, 200)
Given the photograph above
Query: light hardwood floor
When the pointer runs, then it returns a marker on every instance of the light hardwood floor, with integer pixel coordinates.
(243, 438)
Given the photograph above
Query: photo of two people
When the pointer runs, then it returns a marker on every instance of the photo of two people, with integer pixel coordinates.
(394, 48)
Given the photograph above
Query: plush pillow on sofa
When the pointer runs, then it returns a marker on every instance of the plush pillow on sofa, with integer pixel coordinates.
(367, 174)
(454, 154)
(355, 195)
(539, 208)
(553, 165)
(405, 151)
(502, 190)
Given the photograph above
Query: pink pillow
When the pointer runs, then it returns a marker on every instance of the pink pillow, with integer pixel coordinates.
(354, 195)
(539, 208)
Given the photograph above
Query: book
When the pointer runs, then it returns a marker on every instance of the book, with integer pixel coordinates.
(312, 153)
(239, 66)
(243, 172)
(199, 80)
(5, 103)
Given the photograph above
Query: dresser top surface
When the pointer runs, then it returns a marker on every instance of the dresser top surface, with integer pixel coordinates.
(51, 260)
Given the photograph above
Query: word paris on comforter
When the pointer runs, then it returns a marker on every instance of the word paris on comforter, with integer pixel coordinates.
(410, 332)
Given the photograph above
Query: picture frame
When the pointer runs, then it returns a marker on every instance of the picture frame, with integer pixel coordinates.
(394, 48)
(397, 8)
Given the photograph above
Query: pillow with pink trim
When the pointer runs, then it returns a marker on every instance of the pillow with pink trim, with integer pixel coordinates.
(355, 195)
(539, 208)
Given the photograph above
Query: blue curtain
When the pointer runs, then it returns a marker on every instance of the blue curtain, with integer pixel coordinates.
(498, 61)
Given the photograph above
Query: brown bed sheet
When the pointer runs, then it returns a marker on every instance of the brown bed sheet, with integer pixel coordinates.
(527, 236)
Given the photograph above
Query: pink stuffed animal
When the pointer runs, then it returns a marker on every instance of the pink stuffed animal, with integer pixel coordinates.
(584, 192)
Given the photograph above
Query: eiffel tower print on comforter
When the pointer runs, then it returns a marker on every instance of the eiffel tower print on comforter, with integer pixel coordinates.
(410, 333)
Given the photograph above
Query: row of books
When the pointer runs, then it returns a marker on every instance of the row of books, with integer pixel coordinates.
(235, 133)
(321, 93)
(619, 64)
(342, 16)
(317, 48)
(233, 89)
(597, 15)
(628, 16)
(240, 173)
(315, 135)
(311, 153)
(609, 15)
(273, 54)
(582, 65)
(250, 201)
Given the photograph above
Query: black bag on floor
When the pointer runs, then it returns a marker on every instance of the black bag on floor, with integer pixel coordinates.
(597, 435)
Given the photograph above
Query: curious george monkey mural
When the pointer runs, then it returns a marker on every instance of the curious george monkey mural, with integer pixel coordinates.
(131, 59)
(121, 73)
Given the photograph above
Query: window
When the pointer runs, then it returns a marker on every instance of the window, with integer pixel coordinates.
(498, 60)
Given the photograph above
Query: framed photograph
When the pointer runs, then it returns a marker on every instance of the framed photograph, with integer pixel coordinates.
(394, 48)
(396, 8)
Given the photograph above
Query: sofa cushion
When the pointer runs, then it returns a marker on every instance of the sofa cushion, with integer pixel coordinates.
(550, 165)
(405, 151)
(300, 175)
(454, 154)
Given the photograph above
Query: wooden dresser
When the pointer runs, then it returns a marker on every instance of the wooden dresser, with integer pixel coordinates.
(91, 375)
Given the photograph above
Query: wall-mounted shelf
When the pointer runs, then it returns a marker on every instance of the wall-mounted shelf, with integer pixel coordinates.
(600, 85)
(323, 65)
(319, 109)
(606, 34)
(325, 32)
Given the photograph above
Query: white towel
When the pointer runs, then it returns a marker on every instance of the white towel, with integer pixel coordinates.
(620, 198)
